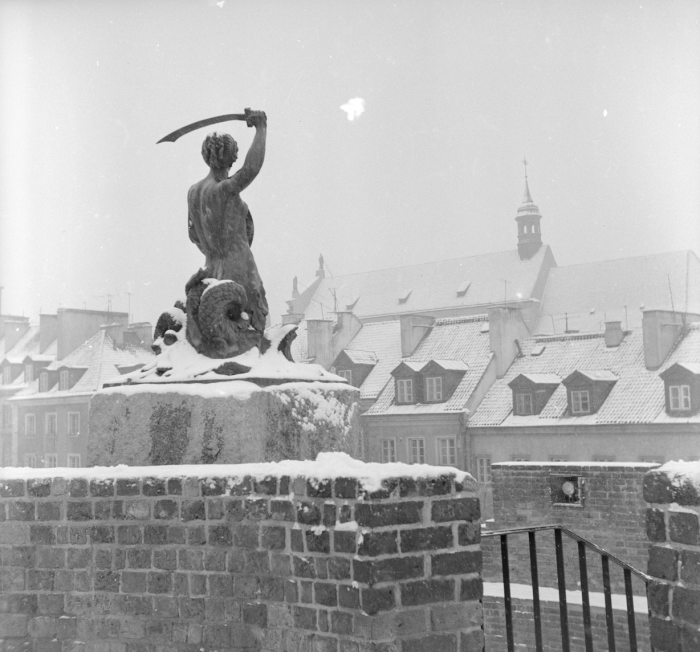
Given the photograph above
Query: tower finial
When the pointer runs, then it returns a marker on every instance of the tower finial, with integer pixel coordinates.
(527, 199)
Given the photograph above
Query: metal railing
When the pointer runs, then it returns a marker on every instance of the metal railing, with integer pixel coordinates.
(606, 558)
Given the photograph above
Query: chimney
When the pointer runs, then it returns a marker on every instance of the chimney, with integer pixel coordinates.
(320, 341)
(345, 330)
(48, 331)
(139, 334)
(613, 333)
(660, 330)
(506, 330)
(116, 332)
(413, 330)
(15, 327)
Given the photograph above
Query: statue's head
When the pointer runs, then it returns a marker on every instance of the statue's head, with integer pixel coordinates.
(219, 151)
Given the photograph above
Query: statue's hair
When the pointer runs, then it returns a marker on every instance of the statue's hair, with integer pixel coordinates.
(219, 150)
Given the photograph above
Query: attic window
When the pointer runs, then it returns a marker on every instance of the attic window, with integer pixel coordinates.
(64, 381)
(7, 375)
(682, 385)
(28, 373)
(44, 382)
(403, 297)
(580, 402)
(538, 350)
(462, 289)
(679, 397)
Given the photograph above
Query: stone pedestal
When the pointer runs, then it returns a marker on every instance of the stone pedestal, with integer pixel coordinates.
(229, 422)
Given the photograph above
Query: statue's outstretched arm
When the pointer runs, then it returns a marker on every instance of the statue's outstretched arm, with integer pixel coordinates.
(254, 158)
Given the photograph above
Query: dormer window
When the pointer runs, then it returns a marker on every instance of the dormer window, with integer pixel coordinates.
(523, 404)
(580, 402)
(433, 389)
(28, 373)
(345, 373)
(682, 388)
(587, 390)
(44, 382)
(354, 365)
(404, 390)
(531, 392)
(7, 375)
(679, 397)
(64, 380)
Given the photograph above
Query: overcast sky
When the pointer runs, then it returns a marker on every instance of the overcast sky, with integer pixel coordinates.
(602, 97)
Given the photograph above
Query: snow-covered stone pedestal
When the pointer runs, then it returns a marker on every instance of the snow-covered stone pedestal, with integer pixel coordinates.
(185, 408)
(228, 422)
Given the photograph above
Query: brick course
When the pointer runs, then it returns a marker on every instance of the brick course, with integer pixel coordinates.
(180, 564)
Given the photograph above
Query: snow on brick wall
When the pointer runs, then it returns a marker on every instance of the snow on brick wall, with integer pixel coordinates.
(324, 555)
(673, 528)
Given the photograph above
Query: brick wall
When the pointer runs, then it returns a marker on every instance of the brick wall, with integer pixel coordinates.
(611, 515)
(163, 564)
(673, 527)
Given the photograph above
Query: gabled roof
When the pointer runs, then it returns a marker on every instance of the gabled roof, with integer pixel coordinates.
(690, 367)
(636, 397)
(99, 357)
(538, 379)
(411, 365)
(452, 339)
(361, 357)
(450, 365)
(583, 297)
(594, 375)
(434, 286)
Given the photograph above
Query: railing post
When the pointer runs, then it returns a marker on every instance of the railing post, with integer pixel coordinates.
(631, 624)
(609, 619)
(535, 591)
(506, 593)
(585, 598)
(561, 580)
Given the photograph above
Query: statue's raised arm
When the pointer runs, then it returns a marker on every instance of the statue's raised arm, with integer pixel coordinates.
(254, 158)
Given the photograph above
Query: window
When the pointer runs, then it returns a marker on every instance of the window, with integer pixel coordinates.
(603, 458)
(28, 373)
(51, 460)
(405, 389)
(51, 424)
(7, 375)
(30, 460)
(6, 416)
(416, 451)
(523, 404)
(64, 380)
(73, 461)
(679, 396)
(347, 374)
(388, 450)
(44, 382)
(30, 425)
(447, 451)
(433, 389)
(519, 458)
(580, 401)
(74, 424)
(483, 469)
(558, 458)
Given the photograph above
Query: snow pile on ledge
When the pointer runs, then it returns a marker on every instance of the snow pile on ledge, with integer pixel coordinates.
(327, 466)
(183, 363)
(682, 473)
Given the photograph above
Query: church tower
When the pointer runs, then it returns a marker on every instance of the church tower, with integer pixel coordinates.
(528, 219)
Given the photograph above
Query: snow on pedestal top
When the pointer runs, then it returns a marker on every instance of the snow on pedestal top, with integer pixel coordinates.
(327, 466)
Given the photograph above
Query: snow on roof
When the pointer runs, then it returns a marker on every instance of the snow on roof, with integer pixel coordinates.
(432, 285)
(594, 374)
(27, 345)
(452, 365)
(583, 297)
(99, 357)
(457, 338)
(327, 466)
(692, 367)
(540, 379)
(361, 357)
(636, 397)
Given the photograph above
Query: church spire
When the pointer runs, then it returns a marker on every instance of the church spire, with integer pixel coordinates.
(528, 218)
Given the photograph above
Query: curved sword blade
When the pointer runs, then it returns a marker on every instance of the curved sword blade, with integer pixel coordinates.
(171, 138)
